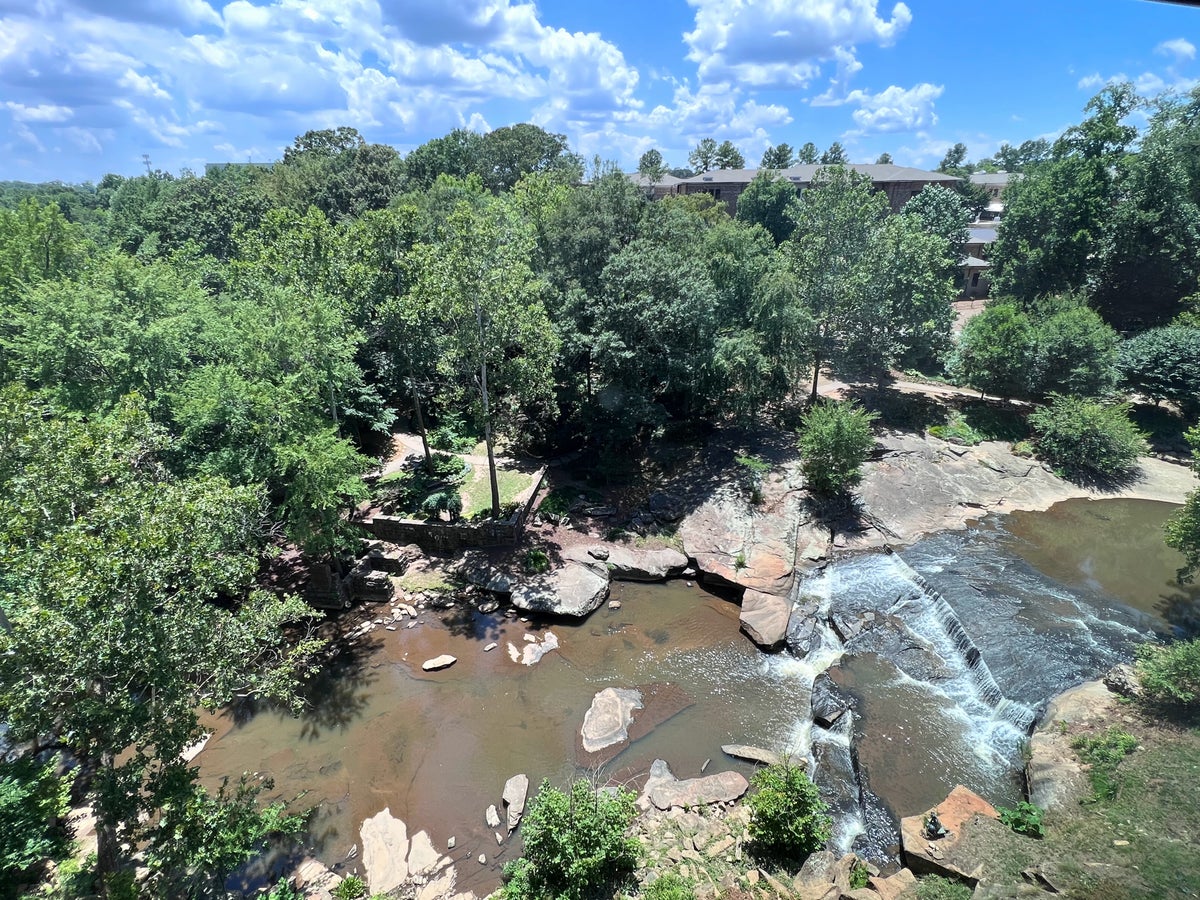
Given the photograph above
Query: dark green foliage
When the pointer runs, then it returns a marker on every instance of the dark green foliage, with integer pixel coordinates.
(1183, 530)
(994, 351)
(1104, 752)
(1024, 818)
(1170, 674)
(283, 890)
(957, 430)
(781, 156)
(32, 797)
(788, 821)
(576, 845)
(351, 888)
(1164, 364)
(943, 212)
(935, 887)
(771, 203)
(1074, 353)
(860, 875)
(669, 887)
(536, 561)
(835, 440)
(1087, 440)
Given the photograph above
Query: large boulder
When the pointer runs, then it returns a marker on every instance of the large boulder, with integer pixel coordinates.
(722, 787)
(573, 589)
(764, 618)
(756, 754)
(963, 852)
(1054, 773)
(628, 564)
(314, 880)
(516, 789)
(608, 718)
(384, 851)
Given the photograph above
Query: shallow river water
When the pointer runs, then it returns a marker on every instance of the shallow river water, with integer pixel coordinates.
(1047, 599)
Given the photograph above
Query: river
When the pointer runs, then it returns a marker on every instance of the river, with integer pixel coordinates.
(1044, 599)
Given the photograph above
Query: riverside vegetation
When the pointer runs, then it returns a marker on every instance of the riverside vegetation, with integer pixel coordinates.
(198, 371)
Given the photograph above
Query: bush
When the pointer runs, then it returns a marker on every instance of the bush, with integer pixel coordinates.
(1164, 364)
(788, 821)
(835, 440)
(957, 431)
(576, 845)
(536, 561)
(350, 888)
(435, 503)
(669, 887)
(935, 887)
(1104, 753)
(994, 352)
(1170, 674)
(1087, 440)
(1074, 353)
(1024, 818)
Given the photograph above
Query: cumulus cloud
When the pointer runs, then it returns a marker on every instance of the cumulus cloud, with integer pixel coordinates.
(895, 108)
(782, 43)
(43, 112)
(1180, 48)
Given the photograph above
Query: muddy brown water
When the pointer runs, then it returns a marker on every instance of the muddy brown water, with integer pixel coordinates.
(1050, 599)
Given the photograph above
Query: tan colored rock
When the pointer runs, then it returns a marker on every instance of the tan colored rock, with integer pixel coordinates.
(828, 891)
(719, 788)
(1054, 772)
(608, 718)
(440, 888)
(894, 886)
(314, 880)
(859, 894)
(962, 852)
(764, 617)
(754, 754)
(516, 789)
(439, 662)
(629, 564)
(817, 869)
(384, 851)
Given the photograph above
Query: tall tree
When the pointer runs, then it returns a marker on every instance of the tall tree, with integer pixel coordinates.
(955, 161)
(115, 661)
(807, 155)
(652, 166)
(770, 202)
(781, 156)
(704, 157)
(835, 155)
(942, 212)
(884, 159)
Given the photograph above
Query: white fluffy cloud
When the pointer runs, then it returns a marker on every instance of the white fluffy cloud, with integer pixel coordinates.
(895, 108)
(782, 43)
(1180, 48)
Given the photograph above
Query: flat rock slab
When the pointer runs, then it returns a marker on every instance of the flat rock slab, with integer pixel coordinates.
(424, 858)
(607, 720)
(384, 851)
(719, 788)
(314, 881)
(439, 662)
(1054, 772)
(755, 754)
(574, 589)
(628, 564)
(958, 854)
(660, 702)
(516, 789)
(764, 618)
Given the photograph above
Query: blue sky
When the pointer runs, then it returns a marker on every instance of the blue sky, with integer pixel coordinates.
(88, 86)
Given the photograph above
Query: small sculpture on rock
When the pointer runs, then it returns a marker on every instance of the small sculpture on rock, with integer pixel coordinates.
(934, 829)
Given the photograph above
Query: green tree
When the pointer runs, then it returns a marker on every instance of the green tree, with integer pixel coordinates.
(885, 159)
(116, 659)
(772, 203)
(456, 154)
(577, 845)
(1183, 530)
(1164, 364)
(995, 350)
(338, 172)
(807, 155)
(729, 156)
(508, 154)
(835, 155)
(37, 244)
(32, 797)
(943, 212)
(652, 166)
(781, 156)
(501, 347)
(835, 440)
(1074, 353)
(955, 161)
(704, 157)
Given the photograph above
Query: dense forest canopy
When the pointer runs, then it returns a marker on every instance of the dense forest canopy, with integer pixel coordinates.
(198, 368)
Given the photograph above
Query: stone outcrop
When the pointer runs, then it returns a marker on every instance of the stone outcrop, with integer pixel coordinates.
(439, 662)
(722, 787)
(384, 851)
(314, 880)
(608, 718)
(573, 589)
(754, 754)
(516, 789)
(962, 853)
(1054, 773)
(629, 564)
(764, 617)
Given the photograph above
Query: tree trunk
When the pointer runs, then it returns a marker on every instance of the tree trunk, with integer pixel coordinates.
(416, 398)
(487, 412)
(812, 397)
(108, 853)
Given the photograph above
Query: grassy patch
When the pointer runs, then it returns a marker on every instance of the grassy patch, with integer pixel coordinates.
(957, 431)
(430, 582)
(994, 422)
(477, 493)
(1104, 753)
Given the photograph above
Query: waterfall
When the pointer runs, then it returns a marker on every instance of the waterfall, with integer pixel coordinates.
(1017, 714)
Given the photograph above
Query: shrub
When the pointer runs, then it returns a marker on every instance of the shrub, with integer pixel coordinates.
(1164, 364)
(755, 470)
(835, 439)
(1074, 353)
(788, 821)
(669, 887)
(1170, 674)
(536, 561)
(557, 503)
(450, 501)
(350, 888)
(935, 887)
(860, 875)
(957, 431)
(994, 352)
(1104, 753)
(1085, 439)
(284, 890)
(576, 845)
(1024, 818)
